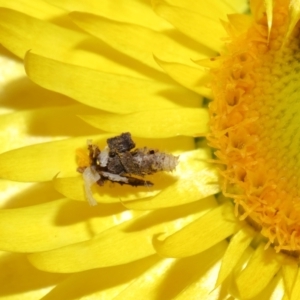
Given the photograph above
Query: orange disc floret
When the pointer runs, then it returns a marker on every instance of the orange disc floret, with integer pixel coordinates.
(255, 125)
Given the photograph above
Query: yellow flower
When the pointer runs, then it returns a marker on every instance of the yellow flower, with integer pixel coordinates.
(98, 68)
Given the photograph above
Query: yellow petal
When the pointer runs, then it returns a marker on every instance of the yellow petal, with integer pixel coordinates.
(34, 8)
(203, 29)
(260, 270)
(215, 8)
(188, 187)
(138, 12)
(239, 242)
(18, 129)
(42, 162)
(11, 71)
(200, 235)
(55, 224)
(241, 23)
(20, 194)
(121, 36)
(181, 192)
(158, 282)
(162, 123)
(20, 280)
(238, 6)
(149, 282)
(20, 33)
(296, 290)
(107, 91)
(269, 12)
(202, 286)
(113, 281)
(257, 7)
(294, 16)
(125, 243)
(274, 290)
(289, 274)
(192, 78)
(73, 188)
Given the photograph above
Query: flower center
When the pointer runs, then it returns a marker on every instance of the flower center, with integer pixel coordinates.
(255, 120)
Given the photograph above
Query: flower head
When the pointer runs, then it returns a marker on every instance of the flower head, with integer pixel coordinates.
(99, 68)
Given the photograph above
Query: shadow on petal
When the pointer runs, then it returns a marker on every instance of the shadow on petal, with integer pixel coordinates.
(93, 281)
(18, 276)
(30, 194)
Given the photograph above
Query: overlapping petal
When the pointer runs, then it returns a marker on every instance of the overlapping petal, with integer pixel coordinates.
(138, 12)
(106, 91)
(260, 270)
(55, 224)
(42, 162)
(169, 45)
(20, 33)
(105, 283)
(36, 8)
(201, 28)
(192, 78)
(237, 246)
(163, 123)
(289, 275)
(216, 225)
(133, 238)
(20, 280)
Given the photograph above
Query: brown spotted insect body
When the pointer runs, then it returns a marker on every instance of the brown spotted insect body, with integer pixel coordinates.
(120, 162)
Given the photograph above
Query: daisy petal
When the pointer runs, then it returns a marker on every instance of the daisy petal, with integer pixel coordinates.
(20, 280)
(234, 252)
(296, 290)
(238, 6)
(192, 78)
(215, 226)
(160, 287)
(35, 8)
(260, 270)
(123, 37)
(107, 249)
(219, 9)
(73, 188)
(181, 192)
(107, 91)
(113, 280)
(138, 12)
(294, 17)
(187, 188)
(289, 274)
(132, 238)
(203, 29)
(35, 159)
(269, 13)
(52, 225)
(17, 129)
(273, 291)
(154, 123)
(20, 33)
(240, 23)
(203, 285)
(143, 286)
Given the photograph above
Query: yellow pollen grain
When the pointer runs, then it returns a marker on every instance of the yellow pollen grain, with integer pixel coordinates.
(255, 117)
